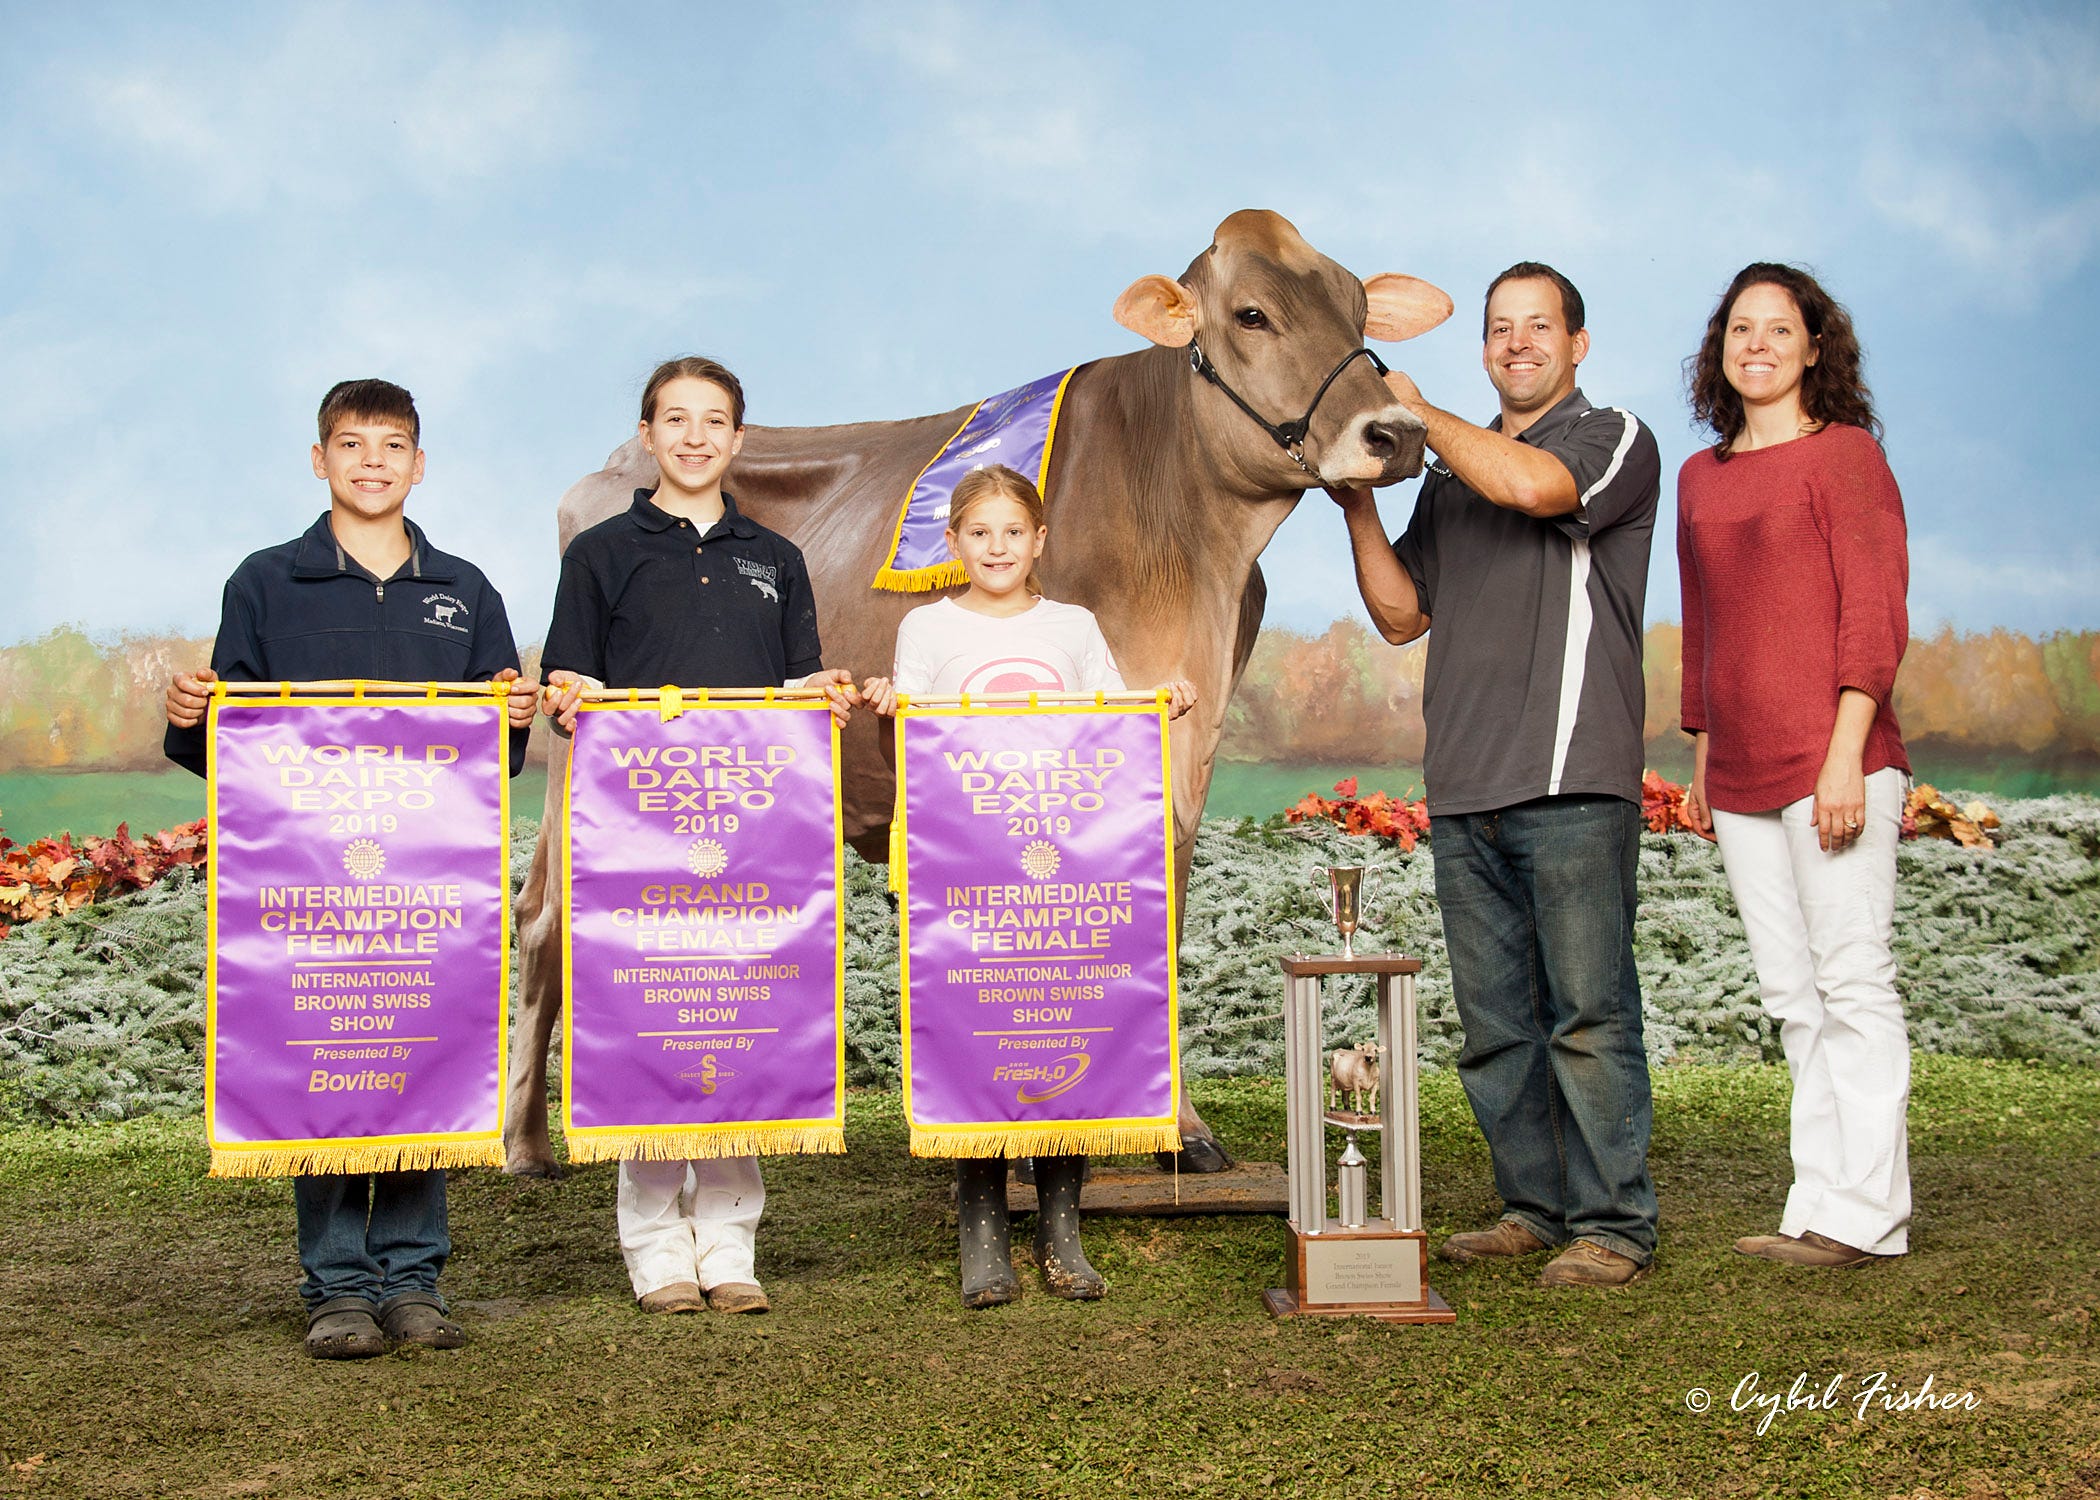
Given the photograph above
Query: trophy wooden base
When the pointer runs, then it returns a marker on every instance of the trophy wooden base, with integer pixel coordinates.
(1373, 1272)
(1283, 1303)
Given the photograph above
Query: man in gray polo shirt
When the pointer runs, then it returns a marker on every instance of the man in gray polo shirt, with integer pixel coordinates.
(1529, 549)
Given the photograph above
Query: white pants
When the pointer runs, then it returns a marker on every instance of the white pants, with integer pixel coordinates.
(1820, 927)
(689, 1221)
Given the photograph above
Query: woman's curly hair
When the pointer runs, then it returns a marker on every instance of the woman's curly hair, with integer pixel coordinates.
(1831, 388)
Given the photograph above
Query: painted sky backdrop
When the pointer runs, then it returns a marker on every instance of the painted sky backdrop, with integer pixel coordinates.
(209, 214)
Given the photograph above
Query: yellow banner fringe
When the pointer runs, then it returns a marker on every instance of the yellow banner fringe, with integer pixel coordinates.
(704, 1143)
(920, 580)
(335, 1161)
(1075, 1138)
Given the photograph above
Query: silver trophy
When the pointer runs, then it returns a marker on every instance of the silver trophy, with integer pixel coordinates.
(1347, 881)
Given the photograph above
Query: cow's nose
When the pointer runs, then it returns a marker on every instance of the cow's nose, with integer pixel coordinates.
(1394, 443)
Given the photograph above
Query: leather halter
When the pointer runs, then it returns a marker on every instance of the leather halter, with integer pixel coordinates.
(1289, 436)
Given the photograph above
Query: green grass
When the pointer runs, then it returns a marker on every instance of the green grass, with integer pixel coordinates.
(149, 1335)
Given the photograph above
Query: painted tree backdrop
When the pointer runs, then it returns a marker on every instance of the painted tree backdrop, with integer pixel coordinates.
(1344, 698)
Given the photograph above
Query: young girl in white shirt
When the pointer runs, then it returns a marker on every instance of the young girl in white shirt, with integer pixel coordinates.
(1002, 636)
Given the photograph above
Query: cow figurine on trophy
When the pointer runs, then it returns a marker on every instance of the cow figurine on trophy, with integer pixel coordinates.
(1353, 1073)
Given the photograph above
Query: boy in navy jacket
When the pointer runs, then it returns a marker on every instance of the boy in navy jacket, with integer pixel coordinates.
(362, 594)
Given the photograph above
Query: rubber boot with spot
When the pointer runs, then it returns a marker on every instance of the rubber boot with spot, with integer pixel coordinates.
(982, 1234)
(1065, 1268)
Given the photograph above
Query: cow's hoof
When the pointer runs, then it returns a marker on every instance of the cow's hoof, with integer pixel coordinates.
(541, 1170)
(1198, 1153)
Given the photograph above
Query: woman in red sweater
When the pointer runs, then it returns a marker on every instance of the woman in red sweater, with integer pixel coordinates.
(1790, 542)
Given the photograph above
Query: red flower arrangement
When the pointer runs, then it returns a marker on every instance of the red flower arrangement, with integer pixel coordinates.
(51, 876)
(1381, 815)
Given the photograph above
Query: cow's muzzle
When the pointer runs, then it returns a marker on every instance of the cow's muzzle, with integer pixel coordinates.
(1377, 447)
(1289, 436)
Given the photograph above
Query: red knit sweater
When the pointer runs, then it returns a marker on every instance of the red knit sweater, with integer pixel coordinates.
(1794, 569)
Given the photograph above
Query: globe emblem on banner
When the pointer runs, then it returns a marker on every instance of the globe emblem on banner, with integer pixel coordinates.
(706, 858)
(1040, 860)
(364, 859)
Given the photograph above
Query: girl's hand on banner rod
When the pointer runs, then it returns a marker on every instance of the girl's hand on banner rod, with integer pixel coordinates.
(564, 690)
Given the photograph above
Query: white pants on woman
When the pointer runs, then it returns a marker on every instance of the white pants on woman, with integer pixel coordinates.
(689, 1221)
(1820, 926)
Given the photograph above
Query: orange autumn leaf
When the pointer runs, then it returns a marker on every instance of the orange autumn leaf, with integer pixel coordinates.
(51, 875)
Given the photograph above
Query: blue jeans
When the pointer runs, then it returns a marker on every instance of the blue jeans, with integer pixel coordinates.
(371, 1237)
(1538, 903)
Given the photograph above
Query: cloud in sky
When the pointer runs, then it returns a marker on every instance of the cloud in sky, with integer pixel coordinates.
(2015, 247)
(882, 211)
(430, 101)
(1007, 105)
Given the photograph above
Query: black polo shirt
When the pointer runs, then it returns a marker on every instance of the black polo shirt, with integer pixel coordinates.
(646, 601)
(1534, 687)
(307, 611)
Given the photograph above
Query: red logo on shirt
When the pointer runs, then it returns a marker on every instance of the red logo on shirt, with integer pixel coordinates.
(1014, 674)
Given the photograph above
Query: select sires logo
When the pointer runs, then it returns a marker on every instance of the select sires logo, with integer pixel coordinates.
(708, 1075)
(1040, 1081)
(446, 611)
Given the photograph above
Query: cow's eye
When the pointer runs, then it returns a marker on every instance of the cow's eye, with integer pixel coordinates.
(1252, 317)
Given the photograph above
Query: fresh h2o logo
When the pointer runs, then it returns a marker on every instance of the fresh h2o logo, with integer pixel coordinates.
(1057, 1078)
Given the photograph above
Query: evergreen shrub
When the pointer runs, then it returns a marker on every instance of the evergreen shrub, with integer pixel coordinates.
(1998, 953)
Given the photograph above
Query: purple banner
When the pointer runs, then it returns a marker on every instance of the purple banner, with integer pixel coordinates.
(704, 958)
(1015, 428)
(359, 914)
(1039, 1005)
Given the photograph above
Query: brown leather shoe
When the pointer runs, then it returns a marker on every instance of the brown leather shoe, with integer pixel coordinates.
(1812, 1249)
(1758, 1244)
(738, 1297)
(678, 1297)
(1508, 1237)
(1586, 1263)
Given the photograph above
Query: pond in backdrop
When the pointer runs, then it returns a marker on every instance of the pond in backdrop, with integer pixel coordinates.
(34, 804)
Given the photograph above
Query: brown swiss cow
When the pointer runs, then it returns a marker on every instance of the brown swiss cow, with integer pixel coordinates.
(1163, 491)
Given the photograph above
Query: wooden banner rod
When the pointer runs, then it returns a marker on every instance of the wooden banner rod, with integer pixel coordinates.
(363, 688)
(1024, 700)
(649, 697)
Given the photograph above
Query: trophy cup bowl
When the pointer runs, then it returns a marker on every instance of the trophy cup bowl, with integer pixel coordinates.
(1347, 884)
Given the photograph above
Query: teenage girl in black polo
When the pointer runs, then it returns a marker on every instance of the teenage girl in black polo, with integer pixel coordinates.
(684, 588)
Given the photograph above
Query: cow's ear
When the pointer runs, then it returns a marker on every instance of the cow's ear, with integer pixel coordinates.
(1402, 306)
(1159, 309)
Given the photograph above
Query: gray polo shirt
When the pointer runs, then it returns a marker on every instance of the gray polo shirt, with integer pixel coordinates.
(1534, 684)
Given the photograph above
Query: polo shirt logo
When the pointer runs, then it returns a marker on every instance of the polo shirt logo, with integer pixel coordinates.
(445, 610)
(763, 576)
